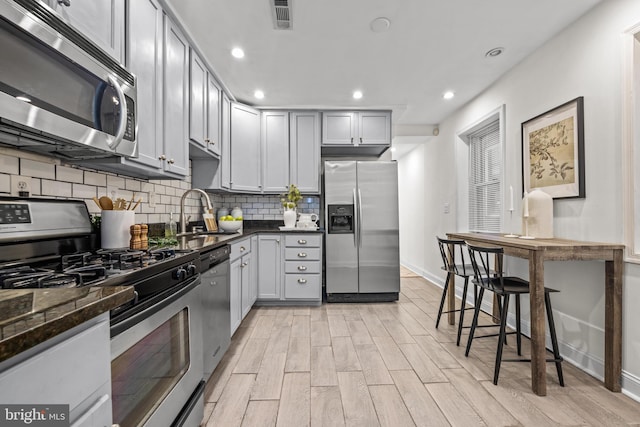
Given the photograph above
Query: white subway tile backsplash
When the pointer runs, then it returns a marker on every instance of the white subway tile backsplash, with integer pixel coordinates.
(5, 183)
(132, 184)
(55, 188)
(146, 187)
(160, 189)
(67, 174)
(9, 164)
(80, 191)
(36, 186)
(37, 169)
(115, 181)
(94, 178)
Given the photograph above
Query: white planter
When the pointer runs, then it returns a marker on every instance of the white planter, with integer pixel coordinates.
(289, 216)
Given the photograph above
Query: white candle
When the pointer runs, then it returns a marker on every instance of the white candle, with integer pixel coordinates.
(525, 209)
(511, 198)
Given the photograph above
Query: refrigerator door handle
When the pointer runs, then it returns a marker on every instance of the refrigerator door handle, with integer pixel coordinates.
(357, 221)
(359, 218)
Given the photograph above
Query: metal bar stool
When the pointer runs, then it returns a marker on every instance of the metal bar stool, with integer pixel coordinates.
(448, 249)
(492, 280)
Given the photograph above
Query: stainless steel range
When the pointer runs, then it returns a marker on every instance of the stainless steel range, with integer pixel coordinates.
(156, 340)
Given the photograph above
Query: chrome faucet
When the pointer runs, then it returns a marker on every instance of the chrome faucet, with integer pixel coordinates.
(183, 222)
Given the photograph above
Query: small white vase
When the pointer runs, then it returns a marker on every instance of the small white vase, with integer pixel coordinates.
(289, 216)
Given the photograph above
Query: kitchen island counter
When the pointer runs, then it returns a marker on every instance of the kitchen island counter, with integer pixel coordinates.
(32, 316)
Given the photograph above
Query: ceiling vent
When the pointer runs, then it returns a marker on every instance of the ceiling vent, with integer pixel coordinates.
(282, 14)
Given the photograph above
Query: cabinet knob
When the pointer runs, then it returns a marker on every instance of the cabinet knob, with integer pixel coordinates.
(302, 242)
(302, 254)
(213, 283)
(302, 268)
(244, 264)
(162, 157)
(302, 281)
(64, 2)
(278, 241)
(208, 141)
(360, 139)
(171, 161)
(242, 249)
(351, 139)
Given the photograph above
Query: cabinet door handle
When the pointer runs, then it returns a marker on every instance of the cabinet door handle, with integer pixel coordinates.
(351, 139)
(302, 242)
(242, 249)
(65, 2)
(244, 264)
(162, 157)
(302, 281)
(302, 268)
(360, 139)
(213, 283)
(171, 161)
(302, 254)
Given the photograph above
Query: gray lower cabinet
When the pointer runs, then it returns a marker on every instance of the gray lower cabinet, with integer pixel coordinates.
(269, 267)
(290, 268)
(73, 368)
(241, 282)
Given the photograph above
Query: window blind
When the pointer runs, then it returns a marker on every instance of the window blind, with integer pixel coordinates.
(485, 172)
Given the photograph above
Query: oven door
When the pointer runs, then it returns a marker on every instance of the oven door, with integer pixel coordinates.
(156, 362)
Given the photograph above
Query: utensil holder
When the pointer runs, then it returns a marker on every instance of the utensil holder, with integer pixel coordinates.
(114, 228)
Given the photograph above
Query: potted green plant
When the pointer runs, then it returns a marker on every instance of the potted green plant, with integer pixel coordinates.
(289, 202)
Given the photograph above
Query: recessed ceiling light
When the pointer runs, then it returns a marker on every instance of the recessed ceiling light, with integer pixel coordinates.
(237, 52)
(494, 52)
(357, 94)
(380, 25)
(448, 95)
(23, 98)
(258, 94)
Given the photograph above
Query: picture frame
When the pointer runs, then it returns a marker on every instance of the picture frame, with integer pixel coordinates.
(553, 151)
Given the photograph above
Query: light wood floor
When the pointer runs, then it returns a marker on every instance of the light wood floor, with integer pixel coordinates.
(386, 364)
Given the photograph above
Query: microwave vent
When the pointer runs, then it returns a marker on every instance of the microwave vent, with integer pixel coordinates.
(282, 14)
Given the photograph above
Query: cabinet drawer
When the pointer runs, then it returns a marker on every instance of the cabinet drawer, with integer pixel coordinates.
(303, 240)
(302, 267)
(240, 248)
(302, 286)
(303, 254)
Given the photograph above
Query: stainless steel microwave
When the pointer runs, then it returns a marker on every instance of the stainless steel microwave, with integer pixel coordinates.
(60, 94)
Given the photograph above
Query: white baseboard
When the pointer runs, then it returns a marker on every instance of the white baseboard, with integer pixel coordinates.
(592, 365)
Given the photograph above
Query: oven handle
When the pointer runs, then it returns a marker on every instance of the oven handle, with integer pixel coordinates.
(129, 322)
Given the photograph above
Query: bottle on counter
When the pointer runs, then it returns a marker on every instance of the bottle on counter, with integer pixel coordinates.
(171, 227)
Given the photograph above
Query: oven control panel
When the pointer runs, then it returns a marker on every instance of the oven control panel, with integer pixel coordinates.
(14, 213)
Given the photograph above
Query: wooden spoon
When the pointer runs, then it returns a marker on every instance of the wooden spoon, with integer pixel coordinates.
(95, 199)
(106, 203)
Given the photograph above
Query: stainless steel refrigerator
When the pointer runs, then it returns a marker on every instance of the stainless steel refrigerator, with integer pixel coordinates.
(361, 221)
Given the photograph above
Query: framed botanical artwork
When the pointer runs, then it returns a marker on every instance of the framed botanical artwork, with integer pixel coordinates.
(553, 151)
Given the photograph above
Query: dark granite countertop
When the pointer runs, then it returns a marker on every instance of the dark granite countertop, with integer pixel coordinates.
(205, 242)
(31, 316)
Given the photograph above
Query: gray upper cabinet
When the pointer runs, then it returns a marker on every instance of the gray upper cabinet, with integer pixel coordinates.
(225, 152)
(339, 127)
(102, 21)
(204, 109)
(176, 108)
(304, 151)
(275, 151)
(374, 127)
(245, 148)
(352, 133)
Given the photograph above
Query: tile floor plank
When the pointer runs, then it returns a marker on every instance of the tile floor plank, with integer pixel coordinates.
(389, 406)
(232, 404)
(326, 407)
(323, 367)
(345, 355)
(356, 400)
(373, 367)
(391, 354)
(359, 332)
(300, 327)
(458, 412)
(249, 362)
(337, 325)
(299, 355)
(422, 364)
(320, 335)
(419, 403)
(269, 379)
(261, 413)
(295, 404)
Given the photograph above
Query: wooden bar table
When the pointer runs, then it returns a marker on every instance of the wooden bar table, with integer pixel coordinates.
(537, 251)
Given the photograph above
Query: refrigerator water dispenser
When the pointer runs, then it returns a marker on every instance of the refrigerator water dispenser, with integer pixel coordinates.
(340, 219)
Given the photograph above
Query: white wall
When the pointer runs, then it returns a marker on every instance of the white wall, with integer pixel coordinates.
(584, 60)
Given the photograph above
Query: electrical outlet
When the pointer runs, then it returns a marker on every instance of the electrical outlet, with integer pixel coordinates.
(20, 186)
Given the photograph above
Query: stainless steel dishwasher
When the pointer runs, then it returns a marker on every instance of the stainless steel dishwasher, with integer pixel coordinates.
(215, 302)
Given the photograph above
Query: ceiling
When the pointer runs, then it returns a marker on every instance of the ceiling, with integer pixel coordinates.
(431, 46)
